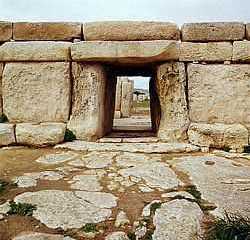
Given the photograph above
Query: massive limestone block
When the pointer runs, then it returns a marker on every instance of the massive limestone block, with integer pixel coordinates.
(46, 31)
(170, 85)
(43, 134)
(248, 31)
(7, 135)
(241, 51)
(211, 51)
(234, 136)
(5, 31)
(35, 51)
(36, 92)
(90, 115)
(130, 31)
(213, 31)
(1, 100)
(219, 93)
(125, 52)
(126, 97)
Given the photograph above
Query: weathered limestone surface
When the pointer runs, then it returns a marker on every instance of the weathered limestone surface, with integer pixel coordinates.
(213, 31)
(40, 236)
(36, 92)
(219, 93)
(241, 51)
(125, 52)
(46, 31)
(7, 135)
(1, 100)
(130, 31)
(118, 94)
(234, 136)
(170, 86)
(5, 31)
(35, 51)
(177, 218)
(127, 98)
(248, 31)
(87, 120)
(211, 51)
(40, 134)
(117, 236)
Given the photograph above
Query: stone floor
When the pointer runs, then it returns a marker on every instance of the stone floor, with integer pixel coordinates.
(115, 191)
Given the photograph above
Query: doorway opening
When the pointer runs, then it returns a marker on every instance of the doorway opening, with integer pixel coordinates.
(132, 117)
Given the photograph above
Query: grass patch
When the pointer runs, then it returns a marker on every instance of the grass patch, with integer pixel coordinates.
(194, 192)
(3, 118)
(229, 227)
(131, 236)
(154, 207)
(89, 228)
(69, 136)
(22, 209)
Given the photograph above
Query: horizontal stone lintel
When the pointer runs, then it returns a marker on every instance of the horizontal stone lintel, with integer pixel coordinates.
(125, 51)
(211, 51)
(35, 51)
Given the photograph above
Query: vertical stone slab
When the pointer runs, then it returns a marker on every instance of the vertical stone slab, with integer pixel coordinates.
(1, 98)
(87, 120)
(118, 94)
(170, 85)
(36, 92)
(127, 98)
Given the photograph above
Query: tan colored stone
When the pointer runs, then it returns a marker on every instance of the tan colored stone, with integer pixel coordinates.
(241, 51)
(248, 31)
(234, 136)
(36, 92)
(46, 31)
(7, 135)
(5, 31)
(126, 97)
(170, 85)
(1, 100)
(126, 52)
(219, 93)
(213, 31)
(87, 120)
(35, 51)
(43, 134)
(130, 31)
(211, 51)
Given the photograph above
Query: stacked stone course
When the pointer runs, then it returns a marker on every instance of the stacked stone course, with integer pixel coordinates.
(62, 73)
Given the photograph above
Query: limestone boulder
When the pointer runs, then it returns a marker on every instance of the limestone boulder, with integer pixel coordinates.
(35, 51)
(213, 31)
(7, 134)
(177, 218)
(87, 120)
(234, 136)
(130, 52)
(219, 93)
(36, 92)
(211, 51)
(170, 85)
(248, 31)
(40, 236)
(5, 31)
(46, 31)
(130, 31)
(43, 134)
(241, 51)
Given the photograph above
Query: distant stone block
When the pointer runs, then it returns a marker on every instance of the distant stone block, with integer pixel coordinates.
(5, 31)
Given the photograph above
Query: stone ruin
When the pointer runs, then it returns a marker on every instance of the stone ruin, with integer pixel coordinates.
(124, 97)
(63, 75)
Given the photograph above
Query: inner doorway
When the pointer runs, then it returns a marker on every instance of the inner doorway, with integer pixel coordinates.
(132, 117)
